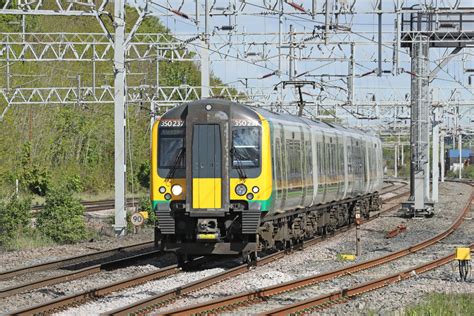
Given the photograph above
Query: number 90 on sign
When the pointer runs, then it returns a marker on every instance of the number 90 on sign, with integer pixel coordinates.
(137, 219)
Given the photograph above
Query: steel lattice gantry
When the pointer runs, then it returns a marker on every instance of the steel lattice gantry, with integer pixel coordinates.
(421, 31)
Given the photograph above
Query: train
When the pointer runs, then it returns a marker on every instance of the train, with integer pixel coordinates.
(233, 179)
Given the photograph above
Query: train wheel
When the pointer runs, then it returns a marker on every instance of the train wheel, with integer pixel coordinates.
(289, 245)
(181, 260)
(250, 258)
(301, 244)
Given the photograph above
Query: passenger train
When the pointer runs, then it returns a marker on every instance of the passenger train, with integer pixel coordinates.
(232, 179)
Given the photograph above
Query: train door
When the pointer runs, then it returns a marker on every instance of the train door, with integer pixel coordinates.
(207, 179)
(345, 170)
(308, 174)
(314, 164)
(278, 174)
(284, 165)
(293, 160)
(349, 163)
(302, 167)
(366, 165)
(372, 178)
(378, 150)
(338, 167)
(322, 168)
(206, 166)
(329, 157)
(359, 173)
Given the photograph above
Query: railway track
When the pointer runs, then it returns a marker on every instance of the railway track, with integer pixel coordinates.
(61, 263)
(162, 299)
(81, 297)
(249, 298)
(95, 206)
(324, 301)
(73, 275)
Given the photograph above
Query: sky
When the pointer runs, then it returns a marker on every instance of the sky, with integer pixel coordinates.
(243, 63)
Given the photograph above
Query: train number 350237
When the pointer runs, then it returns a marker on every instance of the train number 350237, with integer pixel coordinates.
(171, 123)
(245, 123)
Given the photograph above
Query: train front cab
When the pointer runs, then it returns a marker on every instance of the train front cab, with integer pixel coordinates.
(222, 184)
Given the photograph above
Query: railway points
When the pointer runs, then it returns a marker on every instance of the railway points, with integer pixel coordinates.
(98, 292)
(391, 203)
(278, 272)
(288, 291)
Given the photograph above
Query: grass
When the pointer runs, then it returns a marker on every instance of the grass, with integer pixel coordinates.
(32, 239)
(439, 304)
(29, 240)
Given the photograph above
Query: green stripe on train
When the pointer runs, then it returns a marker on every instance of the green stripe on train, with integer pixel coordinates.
(264, 204)
(155, 203)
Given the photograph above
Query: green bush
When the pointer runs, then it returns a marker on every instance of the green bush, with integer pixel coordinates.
(36, 180)
(74, 184)
(145, 206)
(468, 172)
(62, 217)
(14, 218)
(143, 174)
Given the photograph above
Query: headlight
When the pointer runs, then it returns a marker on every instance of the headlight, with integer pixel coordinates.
(255, 189)
(167, 196)
(162, 189)
(176, 189)
(240, 189)
(250, 196)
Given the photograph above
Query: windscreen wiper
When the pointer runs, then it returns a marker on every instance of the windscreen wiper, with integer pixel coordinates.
(239, 166)
(177, 162)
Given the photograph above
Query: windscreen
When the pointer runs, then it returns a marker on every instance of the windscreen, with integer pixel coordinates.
(246, 147)
(171, 153)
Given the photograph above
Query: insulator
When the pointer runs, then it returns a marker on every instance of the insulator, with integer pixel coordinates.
(181, 14)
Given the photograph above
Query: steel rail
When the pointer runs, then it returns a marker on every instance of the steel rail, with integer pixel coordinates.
(94, 206)
(63, 262)
(149, 304)
(393, 185)
(166, 297)
(162, 299)
(337, 297)
(84, 296)
(114, 264)
(395, 197)
(229, 302)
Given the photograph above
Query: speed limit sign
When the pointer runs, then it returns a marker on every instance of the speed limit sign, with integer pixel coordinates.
(137, 219)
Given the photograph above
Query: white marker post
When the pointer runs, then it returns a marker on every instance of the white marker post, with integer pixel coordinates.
(357, 222)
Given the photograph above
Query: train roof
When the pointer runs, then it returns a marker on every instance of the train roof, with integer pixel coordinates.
(311, 122)
(239, 109)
